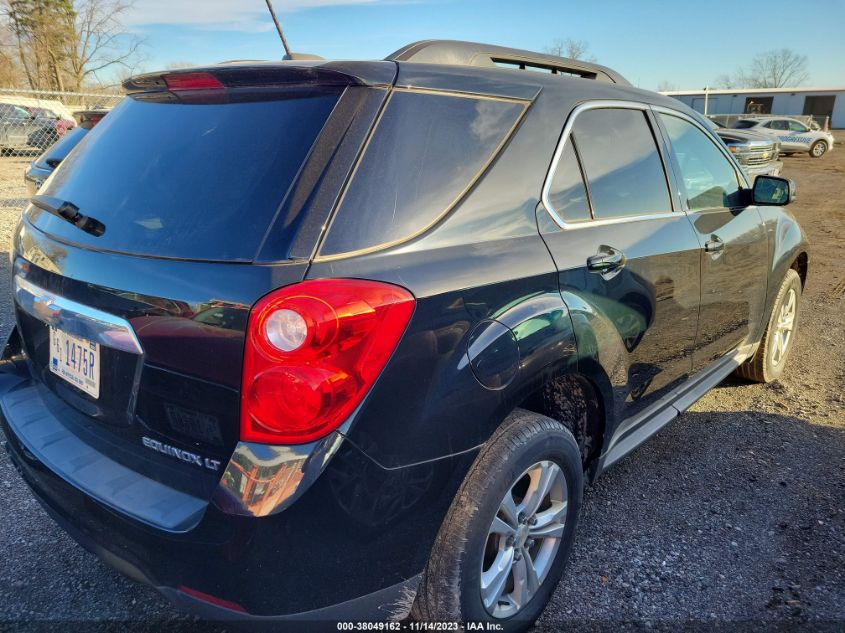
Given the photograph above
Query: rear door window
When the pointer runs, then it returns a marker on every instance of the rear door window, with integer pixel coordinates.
(425, 153)
(621, 162)
(199, 181)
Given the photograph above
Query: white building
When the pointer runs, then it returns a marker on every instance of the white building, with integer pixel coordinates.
(821, 102)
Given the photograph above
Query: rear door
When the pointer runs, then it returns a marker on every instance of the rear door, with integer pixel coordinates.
(628, 261)
(735, 254)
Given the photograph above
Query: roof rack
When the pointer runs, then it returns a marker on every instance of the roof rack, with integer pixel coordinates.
(472, 54)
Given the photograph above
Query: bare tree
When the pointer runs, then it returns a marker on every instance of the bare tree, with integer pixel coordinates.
(571, 48)
(99, 40)
(64, 44)
(777, 68)
(11, 73)
(666, 86)
(727, 81)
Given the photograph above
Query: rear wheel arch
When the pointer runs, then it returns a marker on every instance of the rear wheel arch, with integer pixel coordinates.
(575, 401)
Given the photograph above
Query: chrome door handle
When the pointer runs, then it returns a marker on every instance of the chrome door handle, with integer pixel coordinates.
(714, 245)
(607, 260)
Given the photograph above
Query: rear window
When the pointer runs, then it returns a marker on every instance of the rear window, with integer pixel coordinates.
(191, 181)
(424, 155)
(743, 125)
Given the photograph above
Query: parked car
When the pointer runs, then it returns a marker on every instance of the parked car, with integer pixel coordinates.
(462, 292)
(793, 135)
(53, 127)
(40, 169)
(756, 153)
(17, 126)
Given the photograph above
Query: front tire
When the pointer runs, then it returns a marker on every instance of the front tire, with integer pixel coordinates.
(769, 360)
(818, 149)
(504, 544)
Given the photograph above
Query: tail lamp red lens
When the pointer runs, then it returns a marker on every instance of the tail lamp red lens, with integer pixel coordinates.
(313, 351)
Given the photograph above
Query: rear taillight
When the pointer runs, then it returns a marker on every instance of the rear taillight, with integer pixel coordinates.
(313, 351)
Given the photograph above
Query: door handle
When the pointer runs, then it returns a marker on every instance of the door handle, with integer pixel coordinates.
(607, 260)
(714, 245)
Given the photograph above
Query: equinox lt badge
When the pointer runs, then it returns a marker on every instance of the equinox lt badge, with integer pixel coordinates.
(178, 453)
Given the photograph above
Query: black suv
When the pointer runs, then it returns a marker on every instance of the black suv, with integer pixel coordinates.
(296, 340)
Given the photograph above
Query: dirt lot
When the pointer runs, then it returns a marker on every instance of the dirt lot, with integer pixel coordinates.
(732, 517)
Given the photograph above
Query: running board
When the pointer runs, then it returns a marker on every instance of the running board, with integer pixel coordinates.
(637, 429)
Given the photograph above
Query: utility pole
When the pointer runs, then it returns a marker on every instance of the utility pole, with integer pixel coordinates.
(279, 29)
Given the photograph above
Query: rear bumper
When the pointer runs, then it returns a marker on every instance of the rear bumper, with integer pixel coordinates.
(380, 605)
(351, 547)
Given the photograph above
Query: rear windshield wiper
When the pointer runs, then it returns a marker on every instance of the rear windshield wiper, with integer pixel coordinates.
(70, 212)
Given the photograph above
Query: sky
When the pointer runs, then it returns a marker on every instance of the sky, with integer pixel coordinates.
(686, 44)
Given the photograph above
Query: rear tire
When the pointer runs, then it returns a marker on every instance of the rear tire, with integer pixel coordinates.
(818, 149)
(769, 360)
(478, 570)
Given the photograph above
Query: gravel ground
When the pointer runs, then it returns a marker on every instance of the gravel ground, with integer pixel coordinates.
(733, 517)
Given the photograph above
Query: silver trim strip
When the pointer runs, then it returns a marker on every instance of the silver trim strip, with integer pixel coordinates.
(76, 318)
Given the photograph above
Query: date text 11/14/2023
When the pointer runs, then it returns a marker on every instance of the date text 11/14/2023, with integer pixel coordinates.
(419, 626)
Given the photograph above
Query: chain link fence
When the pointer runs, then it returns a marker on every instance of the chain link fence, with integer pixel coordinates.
(30, 122)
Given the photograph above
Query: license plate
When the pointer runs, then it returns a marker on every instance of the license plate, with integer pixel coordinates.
(76, 360)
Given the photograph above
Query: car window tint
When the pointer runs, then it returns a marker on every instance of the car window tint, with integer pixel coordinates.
(567, 194)
(709, 178)
(425, 152)
(795, 126)
(193, 181)
(621, 164)
(744, 124)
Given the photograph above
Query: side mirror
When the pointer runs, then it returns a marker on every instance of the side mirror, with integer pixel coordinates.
(772, 191)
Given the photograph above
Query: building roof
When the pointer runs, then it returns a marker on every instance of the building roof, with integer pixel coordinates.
(740, 91)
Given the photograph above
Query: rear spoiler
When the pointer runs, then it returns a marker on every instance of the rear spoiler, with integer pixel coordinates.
(272, 75)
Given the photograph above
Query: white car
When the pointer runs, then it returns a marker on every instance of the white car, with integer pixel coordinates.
(793, 135)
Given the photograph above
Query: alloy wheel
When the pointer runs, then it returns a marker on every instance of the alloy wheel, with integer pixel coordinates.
(784, 327)
(523, 539)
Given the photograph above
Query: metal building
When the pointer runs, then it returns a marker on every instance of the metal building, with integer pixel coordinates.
(819, 102)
